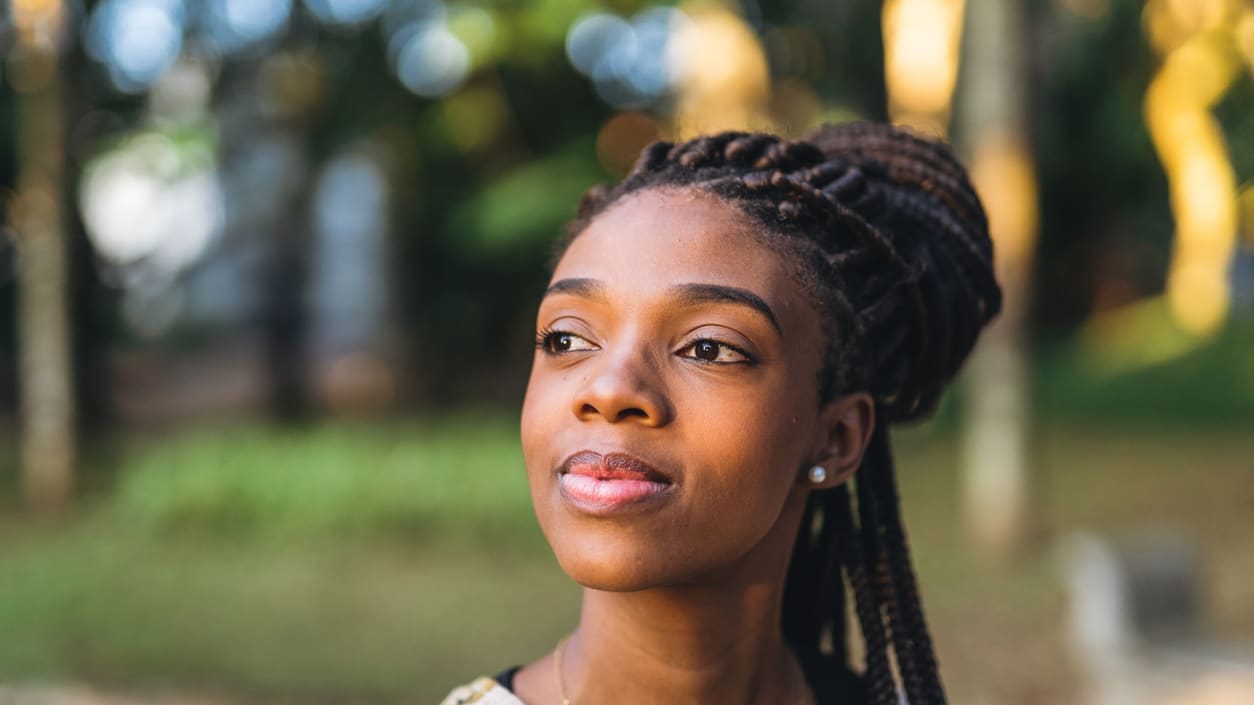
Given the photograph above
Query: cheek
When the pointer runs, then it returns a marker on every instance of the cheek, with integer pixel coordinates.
(768, 423)
(749, 448)
(544, 400)
(545, 410)
(538, 417)
(530, 414)
(758, 455)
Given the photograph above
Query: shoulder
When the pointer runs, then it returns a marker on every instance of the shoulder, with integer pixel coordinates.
(483, 691)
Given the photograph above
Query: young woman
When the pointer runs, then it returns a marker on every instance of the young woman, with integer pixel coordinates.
(727, 336)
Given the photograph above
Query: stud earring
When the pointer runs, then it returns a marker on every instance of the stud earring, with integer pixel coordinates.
(817, 475)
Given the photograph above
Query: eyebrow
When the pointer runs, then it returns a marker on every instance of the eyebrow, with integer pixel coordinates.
(717, 293)
(688, 294)
(583, 288)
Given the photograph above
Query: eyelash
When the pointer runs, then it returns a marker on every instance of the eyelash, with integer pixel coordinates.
(546, 335)
(748, 359)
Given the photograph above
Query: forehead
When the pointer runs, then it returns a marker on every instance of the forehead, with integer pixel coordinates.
(657, 238)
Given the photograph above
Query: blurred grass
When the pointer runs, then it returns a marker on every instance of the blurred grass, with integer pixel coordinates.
(387, 562)
(458, 477)
(327, 563)
(343, 622)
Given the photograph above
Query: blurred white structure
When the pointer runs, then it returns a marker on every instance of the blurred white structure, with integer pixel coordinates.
(1137, 627)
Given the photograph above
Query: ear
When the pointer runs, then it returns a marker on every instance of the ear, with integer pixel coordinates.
(841, 437)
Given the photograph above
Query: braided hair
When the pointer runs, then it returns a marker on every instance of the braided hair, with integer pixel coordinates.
(892, 243)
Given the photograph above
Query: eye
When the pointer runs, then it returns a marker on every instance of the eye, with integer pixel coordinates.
(557, 342)
(713, 351)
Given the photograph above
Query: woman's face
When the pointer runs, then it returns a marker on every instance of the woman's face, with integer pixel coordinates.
(672, 406)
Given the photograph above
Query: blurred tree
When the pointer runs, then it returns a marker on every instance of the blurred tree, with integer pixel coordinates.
(270, 106)
(8, 252)
(1106, 230)
(994, 132)
(47, 395)
(484, 167)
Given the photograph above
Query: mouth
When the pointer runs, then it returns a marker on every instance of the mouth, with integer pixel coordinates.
(611, 483)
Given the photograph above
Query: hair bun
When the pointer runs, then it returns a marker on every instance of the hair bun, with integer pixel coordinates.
(914, 192)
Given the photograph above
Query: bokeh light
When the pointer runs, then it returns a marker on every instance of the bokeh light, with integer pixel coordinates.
(430, 60)
(152, 202)
(628, 61)
(345, 12)
(1193, 16)
(1198, 69)
(136, 40)
(594, 36)
(152, 206)
(720, 70)
(38, 23)
(477, 29)
(233, 25)
(921, 42)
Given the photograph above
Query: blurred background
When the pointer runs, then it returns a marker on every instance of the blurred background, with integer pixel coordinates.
(268, 272)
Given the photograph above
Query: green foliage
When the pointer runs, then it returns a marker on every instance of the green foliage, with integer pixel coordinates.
(1103, 193)
(451, 479)
(1212, 385)
(1236, 114)
(524, 208)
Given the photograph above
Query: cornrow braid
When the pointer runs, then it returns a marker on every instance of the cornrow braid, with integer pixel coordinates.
(892, 245)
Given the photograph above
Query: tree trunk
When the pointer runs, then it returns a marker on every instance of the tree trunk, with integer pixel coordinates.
(992, 122)
(47, 393)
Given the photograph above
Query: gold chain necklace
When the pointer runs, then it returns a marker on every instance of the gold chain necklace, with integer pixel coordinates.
(802, 698)
(557, 670)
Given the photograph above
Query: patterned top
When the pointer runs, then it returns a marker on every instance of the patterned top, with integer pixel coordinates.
(830, 679)
(484, 691)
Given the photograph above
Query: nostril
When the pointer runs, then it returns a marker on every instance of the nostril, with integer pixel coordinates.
(621, 414)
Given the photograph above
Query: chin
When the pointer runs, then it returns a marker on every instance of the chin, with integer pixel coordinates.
(611, 577)
(614, 568)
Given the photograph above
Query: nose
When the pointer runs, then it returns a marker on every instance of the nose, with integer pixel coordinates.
(623, 386)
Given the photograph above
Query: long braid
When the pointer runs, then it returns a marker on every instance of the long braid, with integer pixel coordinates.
(920, 653)
(893, 245)
(876, 566)
(879, 677)
(897, 594)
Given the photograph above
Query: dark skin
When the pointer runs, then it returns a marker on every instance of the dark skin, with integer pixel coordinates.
(673, 333)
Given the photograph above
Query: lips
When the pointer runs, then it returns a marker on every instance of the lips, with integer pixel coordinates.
(610, 483)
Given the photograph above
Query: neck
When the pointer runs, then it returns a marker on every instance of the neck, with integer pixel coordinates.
(665, 648)
(715, 641)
